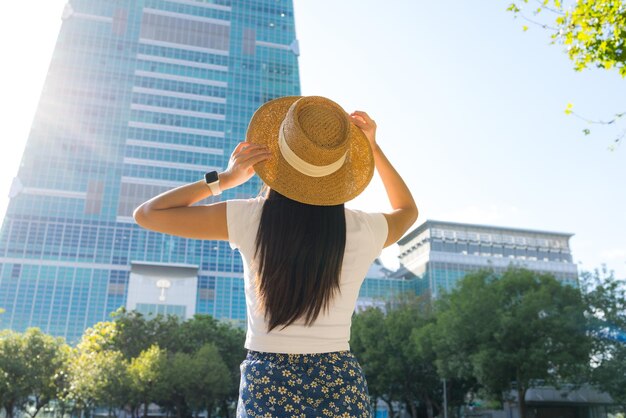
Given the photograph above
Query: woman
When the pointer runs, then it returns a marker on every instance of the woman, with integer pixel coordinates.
(305, 255)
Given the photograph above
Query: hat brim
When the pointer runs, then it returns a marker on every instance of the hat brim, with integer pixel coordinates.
(336, 188)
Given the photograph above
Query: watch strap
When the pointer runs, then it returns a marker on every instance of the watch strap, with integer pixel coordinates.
(212, 180)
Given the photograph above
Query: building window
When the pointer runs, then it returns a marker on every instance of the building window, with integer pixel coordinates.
(120, 18)
(206, 294)
(449, 247)
(436, 245)
(93, 202)
(15, 272)
(116, 289)
(184, 31)
(248, 46)
(532, 253)
(520, 252)
(132, 195)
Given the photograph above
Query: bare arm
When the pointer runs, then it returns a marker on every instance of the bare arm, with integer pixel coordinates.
(171, 212)
(405, 210)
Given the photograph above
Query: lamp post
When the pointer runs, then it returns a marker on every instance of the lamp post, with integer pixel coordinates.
(445, 399)
(163, 284)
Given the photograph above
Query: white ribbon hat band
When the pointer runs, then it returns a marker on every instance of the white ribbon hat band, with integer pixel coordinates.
(303, 166)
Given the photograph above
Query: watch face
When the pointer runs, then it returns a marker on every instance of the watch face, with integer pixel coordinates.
(211, 177)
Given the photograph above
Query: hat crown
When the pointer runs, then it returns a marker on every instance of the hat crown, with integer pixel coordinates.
(317, 129)
(319, 157)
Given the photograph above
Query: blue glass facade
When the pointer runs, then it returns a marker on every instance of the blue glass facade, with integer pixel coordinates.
(140, 97)
(381, 285)
(437, 254)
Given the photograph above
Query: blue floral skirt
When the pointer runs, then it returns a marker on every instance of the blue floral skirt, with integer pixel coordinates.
(302, 385)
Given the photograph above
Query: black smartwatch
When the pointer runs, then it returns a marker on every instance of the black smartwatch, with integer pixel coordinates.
(213, 181)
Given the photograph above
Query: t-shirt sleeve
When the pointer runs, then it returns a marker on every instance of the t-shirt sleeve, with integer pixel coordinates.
(379, 228)
(240, 214)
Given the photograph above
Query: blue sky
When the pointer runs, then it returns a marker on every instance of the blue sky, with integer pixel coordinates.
(469, 109)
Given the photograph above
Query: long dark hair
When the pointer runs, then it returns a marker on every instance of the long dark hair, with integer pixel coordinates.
(299, 249)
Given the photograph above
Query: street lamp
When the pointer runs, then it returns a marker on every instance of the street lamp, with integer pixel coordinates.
(163, 284)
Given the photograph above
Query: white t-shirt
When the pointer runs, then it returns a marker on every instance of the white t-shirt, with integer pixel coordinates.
(366, 234)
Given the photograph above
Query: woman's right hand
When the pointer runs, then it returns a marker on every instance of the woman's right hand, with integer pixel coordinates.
(367, 125)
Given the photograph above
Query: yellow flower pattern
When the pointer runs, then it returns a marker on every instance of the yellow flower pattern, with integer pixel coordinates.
(302, 385)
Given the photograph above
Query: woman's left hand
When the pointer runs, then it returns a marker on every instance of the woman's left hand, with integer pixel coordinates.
(240, 166)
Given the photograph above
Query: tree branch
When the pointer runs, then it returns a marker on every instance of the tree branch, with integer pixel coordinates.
(599, 122)
(553, 10)
(534, 22)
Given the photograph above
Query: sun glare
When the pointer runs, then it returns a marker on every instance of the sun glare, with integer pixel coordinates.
(27, 38)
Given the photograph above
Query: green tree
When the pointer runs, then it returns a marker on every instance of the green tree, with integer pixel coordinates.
(114, 381)
(423, 341)
(179, 377)
(135, 333)
(605, 299)
(369, 343)
(211, 376)
(414, 368)
(512, 330)
(31, 366)
(593, 33)
(14, 384)
(145, 372)
(97, 372)
(47, 357)
(396, 352)
(230, 344)
(99, 379)
(63, 403)
(229, 341)
(98, 337)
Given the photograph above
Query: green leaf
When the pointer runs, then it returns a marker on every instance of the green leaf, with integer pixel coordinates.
(586, 131)
(513, 8)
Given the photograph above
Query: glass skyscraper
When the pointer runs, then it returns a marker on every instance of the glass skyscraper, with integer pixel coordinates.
(141, 96)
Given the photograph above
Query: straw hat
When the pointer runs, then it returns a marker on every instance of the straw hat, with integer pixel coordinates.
(319, 156)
